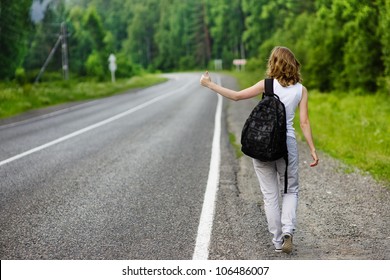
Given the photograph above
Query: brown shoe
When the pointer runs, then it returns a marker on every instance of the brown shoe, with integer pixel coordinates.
(287, 243)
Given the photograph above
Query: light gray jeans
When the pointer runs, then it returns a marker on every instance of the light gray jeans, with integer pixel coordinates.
(271, 178)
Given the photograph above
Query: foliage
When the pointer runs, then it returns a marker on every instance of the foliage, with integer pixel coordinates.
(337, 41)
(342, 44)
(20, 76)
(354, 129)
(94, 66)
(14, 27)
(15, 98)
(140, 43)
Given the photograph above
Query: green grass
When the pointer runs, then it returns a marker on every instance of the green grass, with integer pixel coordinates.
(236, 146)
(15, 99)
(354, 129)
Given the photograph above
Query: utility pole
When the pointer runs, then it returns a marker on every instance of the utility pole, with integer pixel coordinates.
(65, 65)
(48, 59)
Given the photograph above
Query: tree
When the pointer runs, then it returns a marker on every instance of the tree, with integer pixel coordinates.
(324, 49)
(256, 29)
(141, 30)
(362, 57)
(14, 27)
(80, 42)
(227, 28)
(384, 36)
(168, 35)
(202, 51)
(43, 38)
(342, 44)
(88, 45)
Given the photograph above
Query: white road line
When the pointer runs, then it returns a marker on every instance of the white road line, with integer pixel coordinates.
(91, 127)
(203, 238)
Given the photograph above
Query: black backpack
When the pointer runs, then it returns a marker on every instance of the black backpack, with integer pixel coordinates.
(264, 134)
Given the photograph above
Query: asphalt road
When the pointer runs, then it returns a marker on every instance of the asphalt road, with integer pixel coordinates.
(127, 177)
(117, 178)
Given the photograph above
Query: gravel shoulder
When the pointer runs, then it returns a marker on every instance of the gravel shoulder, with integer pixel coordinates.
(340, 215)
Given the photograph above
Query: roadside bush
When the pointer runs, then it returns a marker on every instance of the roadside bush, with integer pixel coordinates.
(125, 68)
(20, 76)
(95, 66)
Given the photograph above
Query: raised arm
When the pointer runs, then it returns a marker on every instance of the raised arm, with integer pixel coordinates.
(249, 92)
(305, 125)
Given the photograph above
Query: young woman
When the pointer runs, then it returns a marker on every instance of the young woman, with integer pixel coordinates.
(284, 68)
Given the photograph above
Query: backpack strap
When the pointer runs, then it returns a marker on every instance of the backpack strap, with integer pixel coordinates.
(286, 174)
(269, 90)
(269, 87)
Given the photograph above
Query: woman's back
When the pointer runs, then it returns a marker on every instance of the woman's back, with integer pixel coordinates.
(290, 96)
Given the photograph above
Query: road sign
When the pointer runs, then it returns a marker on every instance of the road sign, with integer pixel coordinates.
(240, 64)
(239, 61)
(112, 66)
(218, 64)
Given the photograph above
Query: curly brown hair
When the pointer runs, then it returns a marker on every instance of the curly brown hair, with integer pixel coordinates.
(283, 66)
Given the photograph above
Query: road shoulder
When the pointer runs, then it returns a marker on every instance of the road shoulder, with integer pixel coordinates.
(340, 215)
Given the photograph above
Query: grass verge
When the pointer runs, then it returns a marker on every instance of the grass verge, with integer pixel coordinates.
(15, 99)
(354, 129)
(236, 146)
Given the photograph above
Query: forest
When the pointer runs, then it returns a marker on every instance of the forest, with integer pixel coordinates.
(343, 45)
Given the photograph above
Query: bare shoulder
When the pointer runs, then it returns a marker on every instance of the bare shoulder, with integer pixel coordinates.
(304, 92)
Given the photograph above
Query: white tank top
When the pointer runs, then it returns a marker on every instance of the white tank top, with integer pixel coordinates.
(290, 96)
